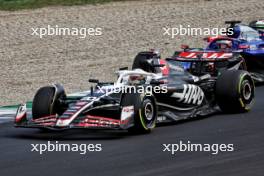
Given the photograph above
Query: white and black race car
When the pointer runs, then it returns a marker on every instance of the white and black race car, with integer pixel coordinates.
(153, 92)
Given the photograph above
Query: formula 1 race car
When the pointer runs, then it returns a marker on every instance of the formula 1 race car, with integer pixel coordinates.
(153, 92)
(245, 46)
(212, 72)
(245, 40)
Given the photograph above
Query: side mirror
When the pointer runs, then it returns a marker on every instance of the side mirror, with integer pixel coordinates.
(123, 68)
(94, 81)
(232, 22)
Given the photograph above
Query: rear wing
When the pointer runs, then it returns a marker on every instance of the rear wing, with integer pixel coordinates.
(202, 56)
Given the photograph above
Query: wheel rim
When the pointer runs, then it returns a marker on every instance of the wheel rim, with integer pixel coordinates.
(149, 111)
(247, 90)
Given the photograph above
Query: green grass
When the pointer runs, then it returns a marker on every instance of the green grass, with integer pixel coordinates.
(29, 105)
(32, 4)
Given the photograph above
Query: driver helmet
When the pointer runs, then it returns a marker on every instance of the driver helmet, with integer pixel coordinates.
(136, 79)
(258, 25)
(224, 44)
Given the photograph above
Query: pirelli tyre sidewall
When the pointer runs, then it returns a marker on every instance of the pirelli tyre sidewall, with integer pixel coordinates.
(235, 91)
(145, 112)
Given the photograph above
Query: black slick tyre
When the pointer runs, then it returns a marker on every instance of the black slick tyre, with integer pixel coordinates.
(235, 91)
(145, 112)
(45, 102)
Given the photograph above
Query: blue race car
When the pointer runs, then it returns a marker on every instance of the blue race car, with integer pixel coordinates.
(247, 41)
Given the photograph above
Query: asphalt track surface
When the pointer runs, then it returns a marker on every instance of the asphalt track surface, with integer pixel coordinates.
(138, 155)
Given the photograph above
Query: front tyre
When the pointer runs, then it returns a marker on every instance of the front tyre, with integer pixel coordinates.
(145, 120)
(235, 91)
(46, 101)
(145, 112)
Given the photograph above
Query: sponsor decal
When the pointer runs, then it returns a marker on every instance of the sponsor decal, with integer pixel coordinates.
(193, 55)
(127, 113)
(191, 94)
(97, 121)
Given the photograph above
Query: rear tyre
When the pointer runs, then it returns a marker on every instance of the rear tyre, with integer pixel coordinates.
(145, 112)
(45, 102)
(235, 91)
